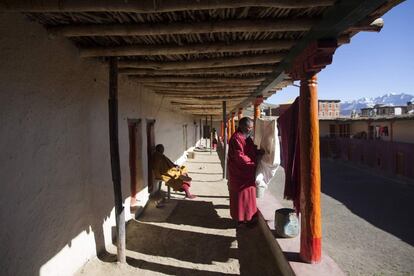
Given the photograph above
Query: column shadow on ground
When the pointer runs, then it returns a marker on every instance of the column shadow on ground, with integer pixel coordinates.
(197, 213)
(253, 253)
(384, 203)
(201, 196)
(189, 246)
(161, 268)
(171, 270)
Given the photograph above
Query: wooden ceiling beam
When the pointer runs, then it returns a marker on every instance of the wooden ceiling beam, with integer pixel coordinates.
(205, 98)
(204, 94)
(202, 113)
(240, 25)
(186, 96)
(200, 108)
(213, 89)
(255, 69)
(153, 85)
(374, 26)
(196, 104)
(149, 6)
(186, 49)
(197, 79)
(203, 101)
(205, 63)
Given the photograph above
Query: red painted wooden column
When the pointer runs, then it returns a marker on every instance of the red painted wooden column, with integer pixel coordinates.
(311, 226)
(240, 114)
(305, 67)
(257, 103)
(256, 112)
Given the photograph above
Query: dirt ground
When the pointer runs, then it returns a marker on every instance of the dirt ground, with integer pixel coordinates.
(190, 237)
(368, 226)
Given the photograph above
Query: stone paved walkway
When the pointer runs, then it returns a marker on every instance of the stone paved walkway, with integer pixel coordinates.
(191, 237)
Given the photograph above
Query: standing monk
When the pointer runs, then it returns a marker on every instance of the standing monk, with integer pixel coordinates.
(242, 160)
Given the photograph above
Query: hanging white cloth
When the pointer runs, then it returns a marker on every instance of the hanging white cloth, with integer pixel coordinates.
(266, 138)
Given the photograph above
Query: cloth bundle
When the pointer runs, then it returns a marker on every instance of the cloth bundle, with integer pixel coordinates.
(266, 138)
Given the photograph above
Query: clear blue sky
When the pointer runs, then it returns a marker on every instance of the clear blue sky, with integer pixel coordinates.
(373, 64)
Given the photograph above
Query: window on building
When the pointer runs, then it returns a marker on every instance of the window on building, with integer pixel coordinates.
(344, 130)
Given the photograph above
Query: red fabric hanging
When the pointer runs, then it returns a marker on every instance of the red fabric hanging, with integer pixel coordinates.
(288, 124)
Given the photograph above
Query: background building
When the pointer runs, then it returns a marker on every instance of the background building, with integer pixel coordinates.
(386, 143)
(329, 108)
(386, 110)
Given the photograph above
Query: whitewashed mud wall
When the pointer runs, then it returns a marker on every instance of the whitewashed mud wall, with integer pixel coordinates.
(56, 200)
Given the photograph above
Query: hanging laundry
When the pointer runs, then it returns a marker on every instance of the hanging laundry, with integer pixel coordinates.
(266, 138)
(289, 129)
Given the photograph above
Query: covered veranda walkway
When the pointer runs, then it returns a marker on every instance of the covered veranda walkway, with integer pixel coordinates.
(208, 58)
(190, 237)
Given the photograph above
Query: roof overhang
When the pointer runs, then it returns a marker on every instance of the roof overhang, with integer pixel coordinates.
(198, 54)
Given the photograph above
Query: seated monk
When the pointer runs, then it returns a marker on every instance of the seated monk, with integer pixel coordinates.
(173, 175)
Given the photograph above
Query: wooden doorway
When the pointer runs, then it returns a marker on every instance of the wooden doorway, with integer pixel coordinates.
(135, 158)
(150, 151)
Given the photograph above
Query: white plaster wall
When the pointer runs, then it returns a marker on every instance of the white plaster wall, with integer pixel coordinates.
(56, 204)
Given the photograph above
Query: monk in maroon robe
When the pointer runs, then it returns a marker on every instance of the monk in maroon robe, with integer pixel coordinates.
(242, 160)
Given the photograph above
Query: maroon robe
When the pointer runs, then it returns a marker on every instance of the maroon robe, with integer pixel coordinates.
(242, 158)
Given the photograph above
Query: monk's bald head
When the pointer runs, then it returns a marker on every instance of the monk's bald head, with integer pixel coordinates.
(159, 148)
(246, 125)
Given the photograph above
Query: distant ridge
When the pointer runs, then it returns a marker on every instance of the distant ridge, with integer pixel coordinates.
(388, 99)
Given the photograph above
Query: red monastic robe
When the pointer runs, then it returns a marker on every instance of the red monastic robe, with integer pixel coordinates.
(242, 158)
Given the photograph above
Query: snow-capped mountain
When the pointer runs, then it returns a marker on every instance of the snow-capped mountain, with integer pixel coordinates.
(388, 99)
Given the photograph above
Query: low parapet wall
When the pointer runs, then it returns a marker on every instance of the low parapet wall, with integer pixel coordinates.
(394, 158)
(286, 251)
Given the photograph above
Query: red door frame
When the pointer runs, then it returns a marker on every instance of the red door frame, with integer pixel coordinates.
(133, 124)
(150, 151)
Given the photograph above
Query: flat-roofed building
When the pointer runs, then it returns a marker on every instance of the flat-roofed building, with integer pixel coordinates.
(329, 108)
